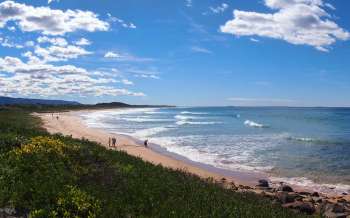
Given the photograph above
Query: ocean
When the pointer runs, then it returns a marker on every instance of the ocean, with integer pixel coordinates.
(302, 146)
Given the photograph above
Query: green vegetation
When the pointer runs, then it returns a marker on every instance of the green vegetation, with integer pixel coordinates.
(54, 176)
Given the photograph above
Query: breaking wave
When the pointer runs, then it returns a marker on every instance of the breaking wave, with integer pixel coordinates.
(254, 124)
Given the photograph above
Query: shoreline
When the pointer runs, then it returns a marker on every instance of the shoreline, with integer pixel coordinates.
(69, 123)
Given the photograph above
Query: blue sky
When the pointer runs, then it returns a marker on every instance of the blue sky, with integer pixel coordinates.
(263, 52)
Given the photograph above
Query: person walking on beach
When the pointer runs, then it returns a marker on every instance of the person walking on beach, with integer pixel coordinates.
(114, 140)
(145, 143)
(109, 141)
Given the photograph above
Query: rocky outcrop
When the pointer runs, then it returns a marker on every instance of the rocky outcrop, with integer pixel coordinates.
(300, 202)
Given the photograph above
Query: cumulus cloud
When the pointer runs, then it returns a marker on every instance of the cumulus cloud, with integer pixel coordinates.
(299, 22)
(49, 1)
(83, 42)
(219, 9)
(55, 41)
(60, 53)
(49, 21)
(111, 54)
(6, 42)
(127, 82)
(49, 80)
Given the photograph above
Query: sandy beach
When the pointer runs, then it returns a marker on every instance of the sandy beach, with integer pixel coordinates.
(69, 123)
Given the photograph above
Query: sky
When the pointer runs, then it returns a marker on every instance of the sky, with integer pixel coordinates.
(177, 52)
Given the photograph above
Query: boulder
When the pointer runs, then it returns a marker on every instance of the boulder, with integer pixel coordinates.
(304, 207)
(330, 214)
(285, 198)
(263, 183)
(285, 188)
(315, 194)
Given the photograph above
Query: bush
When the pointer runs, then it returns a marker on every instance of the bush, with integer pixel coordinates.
(9, 141)
(34, 174)
(72, 202)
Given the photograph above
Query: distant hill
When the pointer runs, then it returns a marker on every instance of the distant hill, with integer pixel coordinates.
(121, 104)
(30, 101)
(112, 104)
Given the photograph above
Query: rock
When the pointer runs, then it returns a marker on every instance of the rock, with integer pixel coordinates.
(330, 214)
(315, 194)
(308, 199)
(338, 208)
(304, 207)
(244, 187)
(317, 199)
(307, 208)
(304, 193)
(263, 183)
(285, 188)
(285, 198)
(341, 200)
(331, 210)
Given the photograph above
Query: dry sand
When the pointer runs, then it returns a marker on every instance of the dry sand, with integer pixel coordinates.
(69, 123)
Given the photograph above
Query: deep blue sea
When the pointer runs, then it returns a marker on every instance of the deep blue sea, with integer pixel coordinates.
(303, 146)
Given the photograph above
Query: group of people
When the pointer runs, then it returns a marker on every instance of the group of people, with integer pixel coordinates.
(57, 116)
(113, 141)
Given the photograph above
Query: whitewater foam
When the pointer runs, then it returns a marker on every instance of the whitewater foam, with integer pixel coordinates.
(183, 117)
(184, 122)
(146, 133)
(308, 183)
(196, 113)
(253, 124)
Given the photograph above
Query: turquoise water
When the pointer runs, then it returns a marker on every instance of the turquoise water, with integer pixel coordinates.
(303, 146)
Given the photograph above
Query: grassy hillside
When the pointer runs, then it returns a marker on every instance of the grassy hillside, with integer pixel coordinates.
(54, 176)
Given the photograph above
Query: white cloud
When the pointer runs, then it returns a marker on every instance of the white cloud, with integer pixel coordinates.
(121, 22)
(49, 21)
(200, 50)
(59, 41)
(146, 74)
(11, 28)
(127, 82)
(49, 80)
(329, 6)
(299, 22)
(58, 53)
(254, 40)
(49, 1)
(188, 3)
(111, 54)
(219, 9)
(125, 57)
(6, 42)
(83, 42)
(29, 43)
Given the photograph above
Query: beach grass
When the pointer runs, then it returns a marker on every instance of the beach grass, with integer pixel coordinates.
(55, 176)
